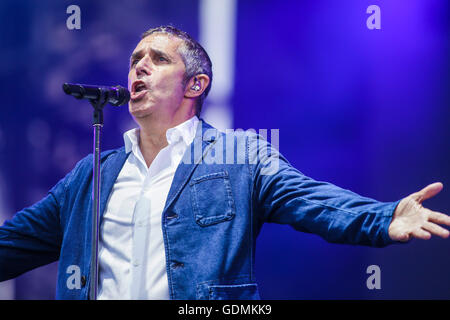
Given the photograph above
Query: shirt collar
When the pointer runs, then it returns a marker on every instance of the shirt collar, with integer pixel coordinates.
(185, 131)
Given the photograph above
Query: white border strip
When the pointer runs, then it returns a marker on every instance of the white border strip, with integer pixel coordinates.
(217, 36)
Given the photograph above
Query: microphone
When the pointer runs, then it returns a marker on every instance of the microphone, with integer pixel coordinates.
(116, 96)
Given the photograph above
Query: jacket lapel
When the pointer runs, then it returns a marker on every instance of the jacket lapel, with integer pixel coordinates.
(194, 155)
(191, 158)
(108, 175)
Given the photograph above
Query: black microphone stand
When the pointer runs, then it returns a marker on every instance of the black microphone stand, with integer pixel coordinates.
(98, 105)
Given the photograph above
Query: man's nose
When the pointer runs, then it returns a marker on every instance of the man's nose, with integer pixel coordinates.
(143, 67)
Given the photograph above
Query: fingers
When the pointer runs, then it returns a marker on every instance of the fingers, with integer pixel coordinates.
(421, 234)
(436, 230)
(438, 217)
(428, 192)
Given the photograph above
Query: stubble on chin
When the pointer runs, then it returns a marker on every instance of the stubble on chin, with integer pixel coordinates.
(140, 110)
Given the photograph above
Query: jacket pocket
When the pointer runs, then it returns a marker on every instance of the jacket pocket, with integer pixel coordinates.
(234, 292)
(212, 199)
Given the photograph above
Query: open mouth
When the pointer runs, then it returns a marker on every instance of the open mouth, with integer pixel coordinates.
(138, 89)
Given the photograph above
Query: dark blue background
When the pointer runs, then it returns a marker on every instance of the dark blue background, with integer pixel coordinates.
(365, 109)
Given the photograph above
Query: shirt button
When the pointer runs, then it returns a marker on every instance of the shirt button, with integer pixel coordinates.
(136, 263)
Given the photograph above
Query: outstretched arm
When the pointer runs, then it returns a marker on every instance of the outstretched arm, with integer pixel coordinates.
(412, 220)
(287, 196)
(30, 239)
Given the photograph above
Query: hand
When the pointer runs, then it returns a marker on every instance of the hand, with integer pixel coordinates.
(412, 220)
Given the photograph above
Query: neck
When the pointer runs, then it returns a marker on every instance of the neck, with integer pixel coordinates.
(152, 133)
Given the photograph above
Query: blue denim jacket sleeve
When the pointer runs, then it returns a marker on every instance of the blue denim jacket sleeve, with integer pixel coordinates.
(286, 196)
(32, 238)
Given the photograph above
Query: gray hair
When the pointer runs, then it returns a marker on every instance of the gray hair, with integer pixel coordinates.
(194, 56)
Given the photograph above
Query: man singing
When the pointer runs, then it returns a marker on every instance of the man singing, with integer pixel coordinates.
(177, 223)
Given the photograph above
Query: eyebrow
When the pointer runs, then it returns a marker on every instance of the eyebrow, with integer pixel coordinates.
(139, 53)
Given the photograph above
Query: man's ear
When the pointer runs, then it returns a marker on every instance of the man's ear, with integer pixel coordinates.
(196, 86)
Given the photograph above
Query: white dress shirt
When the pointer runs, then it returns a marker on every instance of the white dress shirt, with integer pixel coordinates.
(132, 260)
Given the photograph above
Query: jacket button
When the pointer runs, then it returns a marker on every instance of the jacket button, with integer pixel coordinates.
(177, 265)
(83, 281)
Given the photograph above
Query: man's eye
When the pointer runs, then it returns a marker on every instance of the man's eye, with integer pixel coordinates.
(133, 62)
(161, 58)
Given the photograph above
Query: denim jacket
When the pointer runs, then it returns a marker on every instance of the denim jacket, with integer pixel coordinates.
(224, 189)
